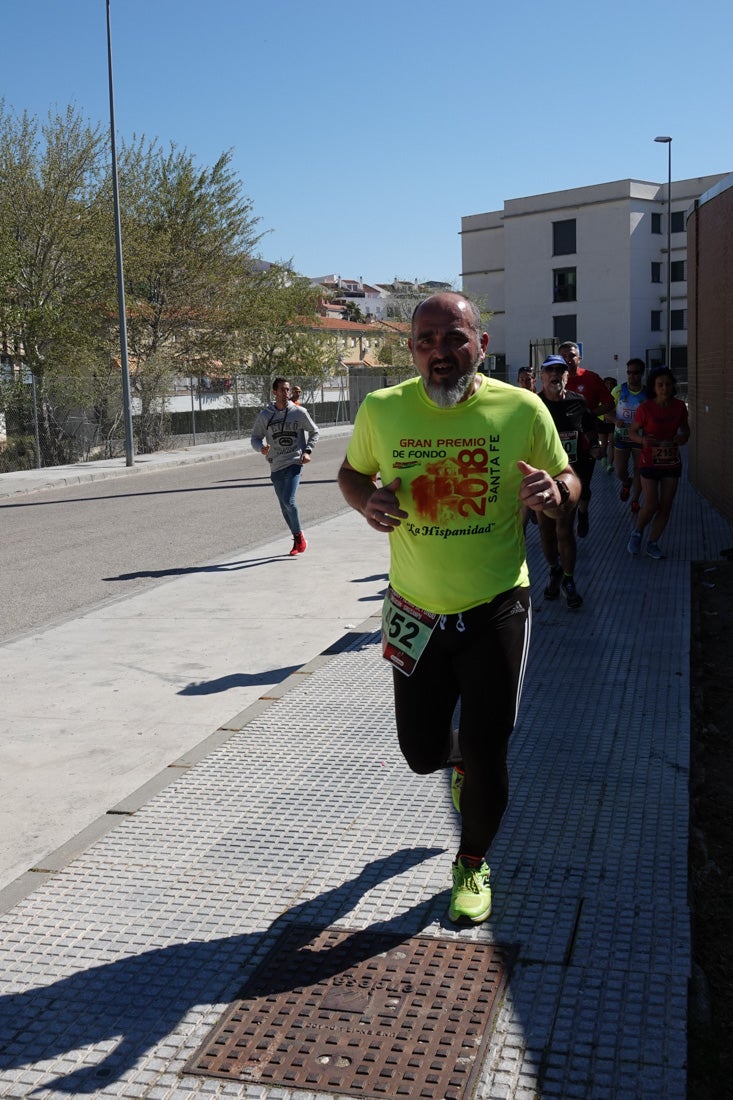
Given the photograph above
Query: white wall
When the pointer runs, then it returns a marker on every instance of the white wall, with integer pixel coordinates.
(508, 263)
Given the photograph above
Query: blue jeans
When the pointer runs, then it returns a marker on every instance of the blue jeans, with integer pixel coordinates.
(285, 483)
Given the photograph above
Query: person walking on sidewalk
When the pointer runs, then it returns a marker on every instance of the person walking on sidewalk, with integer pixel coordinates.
(661, 427)
(600, 401)
(578, 430)
(458, 454)
(285, 434)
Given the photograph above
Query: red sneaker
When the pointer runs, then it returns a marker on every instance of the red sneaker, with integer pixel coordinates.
(625, 491)
(299, 545)
(635, 506)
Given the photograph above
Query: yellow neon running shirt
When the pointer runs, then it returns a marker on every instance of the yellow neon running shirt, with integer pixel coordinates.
(462, 543)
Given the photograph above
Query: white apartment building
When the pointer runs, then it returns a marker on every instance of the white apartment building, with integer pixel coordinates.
(588, 264)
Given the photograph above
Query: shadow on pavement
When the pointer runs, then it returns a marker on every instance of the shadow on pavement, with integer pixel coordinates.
(180, 571)
(238, 679)
(368, 580)
(259, 482)
(143, 997)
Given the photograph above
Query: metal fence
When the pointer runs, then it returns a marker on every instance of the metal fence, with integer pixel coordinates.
(34, 432)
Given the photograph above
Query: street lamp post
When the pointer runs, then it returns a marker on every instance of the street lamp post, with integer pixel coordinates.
(126, 399)
(668, 142)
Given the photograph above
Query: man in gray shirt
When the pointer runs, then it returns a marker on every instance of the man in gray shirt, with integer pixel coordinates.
(285, 434)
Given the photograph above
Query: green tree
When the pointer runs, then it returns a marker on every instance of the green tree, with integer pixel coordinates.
(189, 234)
(310, 357)
(276, 327)
(51, 259)
(394, 352)
(353, 313)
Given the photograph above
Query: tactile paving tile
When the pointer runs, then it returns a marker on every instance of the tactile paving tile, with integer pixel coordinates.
(119, 966)
(362, 1013)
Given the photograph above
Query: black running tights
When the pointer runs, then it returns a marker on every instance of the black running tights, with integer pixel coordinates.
(478, 657)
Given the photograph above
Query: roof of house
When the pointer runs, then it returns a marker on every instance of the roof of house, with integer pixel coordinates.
(338, 324)
(337, 282)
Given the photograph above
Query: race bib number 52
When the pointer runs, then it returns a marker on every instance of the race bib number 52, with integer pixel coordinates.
(406, 630)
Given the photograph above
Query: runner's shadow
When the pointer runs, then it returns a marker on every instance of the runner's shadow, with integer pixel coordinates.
(182, 571)
(238, 679)
(143, 997)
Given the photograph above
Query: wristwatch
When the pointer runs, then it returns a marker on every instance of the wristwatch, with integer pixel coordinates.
(562, 490)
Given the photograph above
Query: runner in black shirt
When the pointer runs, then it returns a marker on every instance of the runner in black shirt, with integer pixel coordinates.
(578, 431)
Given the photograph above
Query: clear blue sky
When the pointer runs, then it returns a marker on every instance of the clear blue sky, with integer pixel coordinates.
(363, 132)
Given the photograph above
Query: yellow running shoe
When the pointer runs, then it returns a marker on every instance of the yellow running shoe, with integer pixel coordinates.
(471, 895)
(456, 786)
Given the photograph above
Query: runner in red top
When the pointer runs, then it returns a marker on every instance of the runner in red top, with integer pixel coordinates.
(661, 427)
(600, 401)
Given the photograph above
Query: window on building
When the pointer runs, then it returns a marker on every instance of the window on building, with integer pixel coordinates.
(656, 272)
(678, 221)
(563, 284)
(563, 237)
(678, 319)
(678, 271)
(565, 327)
(656, 321)
(656, 223)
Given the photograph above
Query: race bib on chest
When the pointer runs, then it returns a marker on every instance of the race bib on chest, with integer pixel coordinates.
(666, 454)
(406, 630)
(569, 441)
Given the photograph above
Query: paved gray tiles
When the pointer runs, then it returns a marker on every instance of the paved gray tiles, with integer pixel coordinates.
(115, 969)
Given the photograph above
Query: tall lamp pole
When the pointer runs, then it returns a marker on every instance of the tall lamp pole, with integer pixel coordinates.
(668, 142)
(126, 400)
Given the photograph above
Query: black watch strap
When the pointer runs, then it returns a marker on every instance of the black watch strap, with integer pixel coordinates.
(562, 490)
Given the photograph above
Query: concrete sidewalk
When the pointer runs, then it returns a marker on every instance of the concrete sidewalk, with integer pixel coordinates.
(119, 964)
(99, 704)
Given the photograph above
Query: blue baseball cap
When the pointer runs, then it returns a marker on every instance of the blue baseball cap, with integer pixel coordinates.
(554, 361)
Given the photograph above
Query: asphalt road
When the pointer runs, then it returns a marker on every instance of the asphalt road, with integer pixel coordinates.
(65, 551)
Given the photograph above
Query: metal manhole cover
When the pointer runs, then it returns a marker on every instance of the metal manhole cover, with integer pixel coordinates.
(363, 1013)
